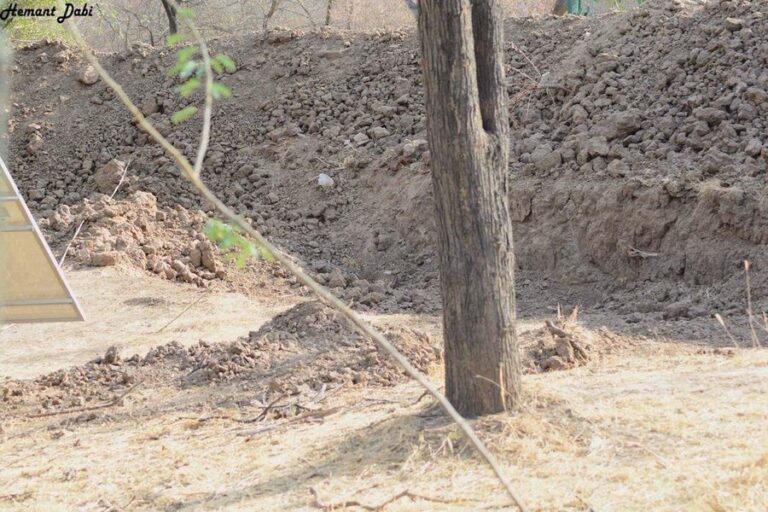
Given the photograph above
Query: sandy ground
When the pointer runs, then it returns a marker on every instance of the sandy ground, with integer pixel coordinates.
(653, 427)
(130, 309)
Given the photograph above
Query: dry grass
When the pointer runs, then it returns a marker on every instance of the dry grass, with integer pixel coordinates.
(648, 430)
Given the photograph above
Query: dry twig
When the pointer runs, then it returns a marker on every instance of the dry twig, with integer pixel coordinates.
(317, 502)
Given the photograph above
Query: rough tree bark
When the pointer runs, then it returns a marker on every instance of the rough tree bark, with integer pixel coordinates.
(468, 130)
(170, 11)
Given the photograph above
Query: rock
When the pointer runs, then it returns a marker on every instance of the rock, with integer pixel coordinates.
(378, 132)
(545, 159)
(88, 76)
(331, 54)
(108, 176)
(112, 356)
(208, 256)
(61, 57)
(279, 36)
(35, 143)
(104, 259)
(754, 147)
(361, 139)
(554, 363)
(677, 310)
(324, 181)
(715, 161)
(621, 124)
(734, 24)
(195, 257)
(564, 349)
(336, 279)
(384, 242)
(596, 146)
(578, 115)
(711, 115)
(372, 298)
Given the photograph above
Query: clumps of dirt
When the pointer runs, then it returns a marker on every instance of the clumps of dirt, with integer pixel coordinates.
(679, 86)
(304, 347)
(166, 241)
(563, 344)
(301, 351)
(77, 386)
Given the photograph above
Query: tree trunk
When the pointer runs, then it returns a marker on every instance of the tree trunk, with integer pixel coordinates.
(170, 11)
(468, 131)
(328, 8)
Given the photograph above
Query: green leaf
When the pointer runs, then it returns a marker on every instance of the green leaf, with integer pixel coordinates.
(183, 114)
(176, 68)
(220, 91)
(225, 61)
(217, 67)
(174, 39)
(186, 53)
(189, 87)
(188, 69)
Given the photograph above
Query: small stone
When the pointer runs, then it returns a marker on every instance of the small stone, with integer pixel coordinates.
(195, 257)
(108, 176)
(208, 257)
(596, 146)
(734, 24)
(361, 139)
(89, 76)
(378, 132)
(754, 147)
(545, 159)
(554, 363)
(336, 279)
(324, 181)
(104, 259)
(372, 298)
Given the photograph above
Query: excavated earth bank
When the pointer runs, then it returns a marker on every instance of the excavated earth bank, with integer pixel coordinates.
(639, 152)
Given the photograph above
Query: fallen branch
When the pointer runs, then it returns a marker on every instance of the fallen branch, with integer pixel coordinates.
(306, 416)
(114, 401)
(317, 502)
(192, 174)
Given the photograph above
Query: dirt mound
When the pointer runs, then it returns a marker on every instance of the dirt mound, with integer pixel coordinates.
(134, 231)
(299, 352)
(305, 347)
(562, 344)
